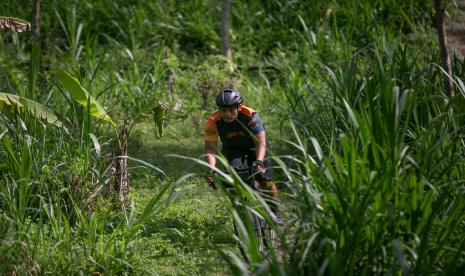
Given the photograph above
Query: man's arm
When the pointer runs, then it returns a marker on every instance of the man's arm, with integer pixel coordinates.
(260, 145)
(210, 151)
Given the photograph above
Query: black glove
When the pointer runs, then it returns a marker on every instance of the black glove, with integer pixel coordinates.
(210, 179)
(257, 165)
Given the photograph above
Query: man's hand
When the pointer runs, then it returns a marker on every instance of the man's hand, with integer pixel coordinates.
(210, 179)
(259, 167)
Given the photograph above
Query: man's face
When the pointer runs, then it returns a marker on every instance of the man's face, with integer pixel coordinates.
(229, 114)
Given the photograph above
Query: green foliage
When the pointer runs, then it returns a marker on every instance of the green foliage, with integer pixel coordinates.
(186, 237)
(381, 180)
(371, 180)
(15, 104)
(159, 113)
(203, 81)
(83, 97)
(54, 217)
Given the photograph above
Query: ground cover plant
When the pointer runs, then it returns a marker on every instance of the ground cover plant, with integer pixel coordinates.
(368, 150)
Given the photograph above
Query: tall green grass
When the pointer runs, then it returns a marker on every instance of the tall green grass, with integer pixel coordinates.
(56, 214)
(55, 218)
(376, 188)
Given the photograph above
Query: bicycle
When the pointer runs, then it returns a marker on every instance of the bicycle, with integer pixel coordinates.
(265, 234)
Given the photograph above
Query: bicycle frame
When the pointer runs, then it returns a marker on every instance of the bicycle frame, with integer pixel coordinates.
(264, 233)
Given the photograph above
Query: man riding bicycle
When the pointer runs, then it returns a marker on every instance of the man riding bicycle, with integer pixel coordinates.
(243, 138)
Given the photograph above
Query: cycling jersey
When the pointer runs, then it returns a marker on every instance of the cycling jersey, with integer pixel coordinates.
(236, 138)
(236, 134)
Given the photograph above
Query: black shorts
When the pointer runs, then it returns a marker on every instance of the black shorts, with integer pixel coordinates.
(237, 158)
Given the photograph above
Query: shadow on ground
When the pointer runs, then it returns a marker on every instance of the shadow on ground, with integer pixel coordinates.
(146, 147)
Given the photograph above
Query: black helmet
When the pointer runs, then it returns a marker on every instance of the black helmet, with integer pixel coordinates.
(229, 97)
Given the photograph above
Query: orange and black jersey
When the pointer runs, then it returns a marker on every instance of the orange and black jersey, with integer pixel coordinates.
(236, 134)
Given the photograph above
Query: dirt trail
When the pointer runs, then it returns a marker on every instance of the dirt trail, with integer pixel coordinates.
(456, 30)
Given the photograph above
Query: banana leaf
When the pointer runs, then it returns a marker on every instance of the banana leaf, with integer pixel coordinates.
(14, 24)
(16, 104)
(159, 112)
(79, 94)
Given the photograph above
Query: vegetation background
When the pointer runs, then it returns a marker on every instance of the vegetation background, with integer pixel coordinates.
(369, 150)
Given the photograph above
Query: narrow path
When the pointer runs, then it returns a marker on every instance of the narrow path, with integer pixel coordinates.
(187, 237)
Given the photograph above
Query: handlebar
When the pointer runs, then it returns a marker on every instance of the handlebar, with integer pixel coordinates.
(245, 173)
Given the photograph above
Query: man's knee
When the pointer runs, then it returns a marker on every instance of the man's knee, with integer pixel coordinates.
(267, 184)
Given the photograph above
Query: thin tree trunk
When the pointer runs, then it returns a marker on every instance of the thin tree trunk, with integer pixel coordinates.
(170, 75)
(225, 44)
(123, 177)
(170, 80)
(118, 187)
(36, 21)
(36, 52)
(445, 58)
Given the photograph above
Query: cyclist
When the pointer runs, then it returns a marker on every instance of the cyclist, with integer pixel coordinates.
(242, 134)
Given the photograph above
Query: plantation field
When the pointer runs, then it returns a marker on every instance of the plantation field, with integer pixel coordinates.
(102, 112)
